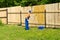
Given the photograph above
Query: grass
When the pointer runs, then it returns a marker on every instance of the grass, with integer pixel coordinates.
(14, 32)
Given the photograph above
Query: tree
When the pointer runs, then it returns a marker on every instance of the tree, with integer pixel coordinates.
(9, 3)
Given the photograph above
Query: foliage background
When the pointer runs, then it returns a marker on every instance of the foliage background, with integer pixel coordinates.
(10, 3)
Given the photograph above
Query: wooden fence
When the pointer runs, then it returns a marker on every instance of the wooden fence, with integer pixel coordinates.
(47, 15)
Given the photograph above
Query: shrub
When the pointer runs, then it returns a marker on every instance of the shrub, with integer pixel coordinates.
(20, 24)
(1, 24)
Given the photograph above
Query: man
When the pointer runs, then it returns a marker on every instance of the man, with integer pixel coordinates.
(26, 20)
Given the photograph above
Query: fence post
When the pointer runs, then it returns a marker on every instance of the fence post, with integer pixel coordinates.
(58, 5)
(20, 18)
(7, 15)
(45, 18)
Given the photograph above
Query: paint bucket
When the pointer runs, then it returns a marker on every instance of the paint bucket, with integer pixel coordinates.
(41, 27)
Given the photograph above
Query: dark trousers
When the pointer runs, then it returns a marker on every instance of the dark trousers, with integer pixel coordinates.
(26, 24)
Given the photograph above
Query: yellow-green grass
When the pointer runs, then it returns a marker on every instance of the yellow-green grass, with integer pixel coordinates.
(14, 32)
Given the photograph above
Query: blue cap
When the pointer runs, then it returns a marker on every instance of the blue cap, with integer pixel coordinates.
(29, 11)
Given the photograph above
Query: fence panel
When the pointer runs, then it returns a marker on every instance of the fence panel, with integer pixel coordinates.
(50, 19)
(3, 15)
(14, 18)
(39, 12)
(14, 15)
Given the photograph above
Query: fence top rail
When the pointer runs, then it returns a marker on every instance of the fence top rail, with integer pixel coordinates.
(3, 10)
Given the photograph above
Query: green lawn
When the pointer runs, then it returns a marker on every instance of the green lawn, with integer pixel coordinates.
(13, 32)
